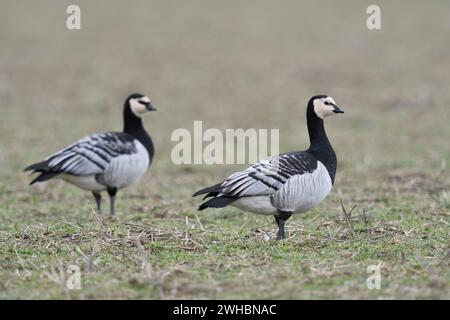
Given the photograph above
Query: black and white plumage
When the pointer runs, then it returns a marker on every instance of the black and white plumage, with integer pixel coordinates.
(104, 161)
(288, 183)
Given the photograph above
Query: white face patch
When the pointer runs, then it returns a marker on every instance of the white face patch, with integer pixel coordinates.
(137, 107)
(323, 110)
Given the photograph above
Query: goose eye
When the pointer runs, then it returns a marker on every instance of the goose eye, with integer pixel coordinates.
(326, 103)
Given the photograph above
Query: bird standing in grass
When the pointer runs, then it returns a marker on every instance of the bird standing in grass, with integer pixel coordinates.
(105, 161)
(289, 183)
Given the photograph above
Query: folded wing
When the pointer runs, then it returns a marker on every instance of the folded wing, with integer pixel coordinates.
(89, 156)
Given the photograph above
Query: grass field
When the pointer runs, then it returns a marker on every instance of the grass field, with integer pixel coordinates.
(231, 64)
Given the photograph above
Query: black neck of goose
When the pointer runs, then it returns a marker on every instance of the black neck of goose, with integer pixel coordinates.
(134, 127)
(320, 145)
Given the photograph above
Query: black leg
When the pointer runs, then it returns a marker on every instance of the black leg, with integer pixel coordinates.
(277, 220)
(281, 219)
(112, 196)
(98, 200)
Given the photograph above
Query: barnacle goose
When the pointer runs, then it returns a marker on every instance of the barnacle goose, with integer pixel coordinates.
(104, 161)
(288, 183)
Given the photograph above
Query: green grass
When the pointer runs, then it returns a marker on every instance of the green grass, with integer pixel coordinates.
(257, 72)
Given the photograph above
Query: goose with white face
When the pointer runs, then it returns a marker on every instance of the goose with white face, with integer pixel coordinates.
(325, 107)
(141, 105)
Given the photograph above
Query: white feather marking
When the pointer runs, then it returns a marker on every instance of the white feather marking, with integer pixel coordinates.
(83, 182)
(137, 107)
(321, 109)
